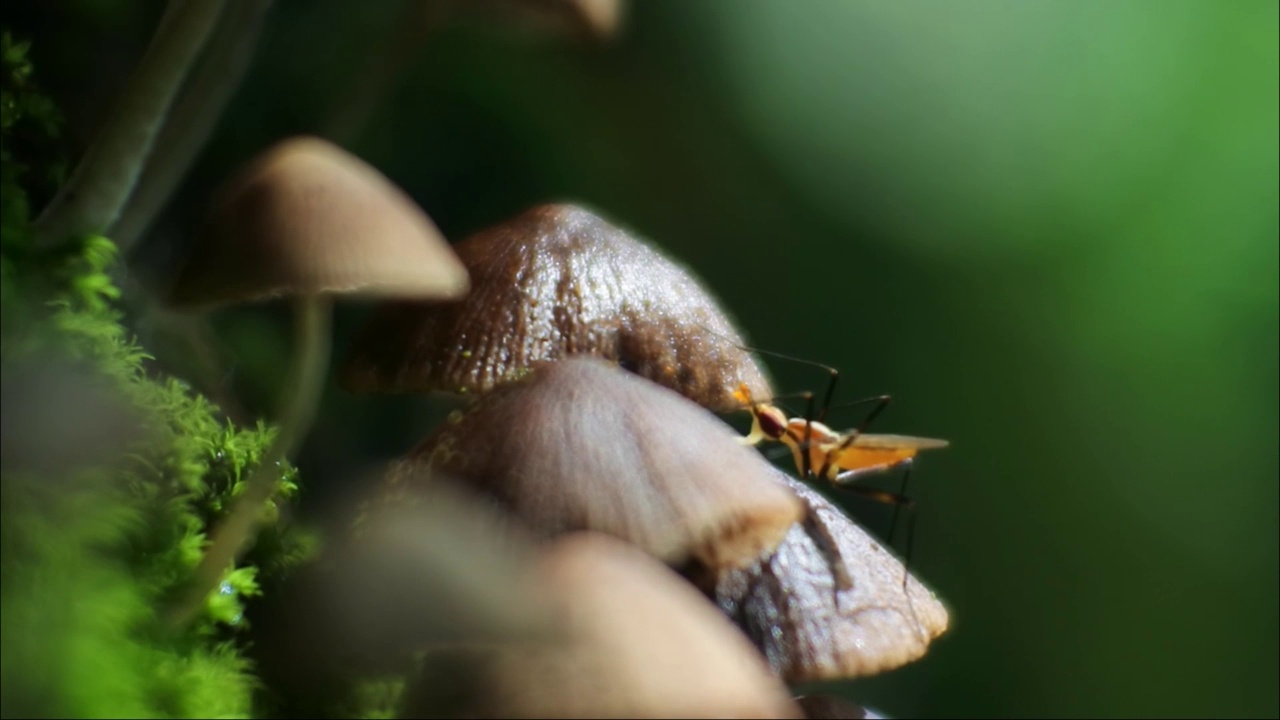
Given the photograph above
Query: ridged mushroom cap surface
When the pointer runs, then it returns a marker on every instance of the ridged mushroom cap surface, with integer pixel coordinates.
(582, 445)
(641, 642)
(308, 218)
(829, 603)
(553, 282)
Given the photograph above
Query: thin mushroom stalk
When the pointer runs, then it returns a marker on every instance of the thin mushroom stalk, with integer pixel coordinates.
(239, 528)
(198, 108)
(309, 221)
(91, 201)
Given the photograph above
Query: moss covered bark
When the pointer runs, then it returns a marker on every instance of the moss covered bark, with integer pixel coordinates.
(93, 545)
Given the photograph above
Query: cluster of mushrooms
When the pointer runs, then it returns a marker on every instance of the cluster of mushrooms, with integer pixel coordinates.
(586, 537)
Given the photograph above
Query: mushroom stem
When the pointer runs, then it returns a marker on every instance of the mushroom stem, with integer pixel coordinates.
(197, 111)
(105, 177)
(233, 536)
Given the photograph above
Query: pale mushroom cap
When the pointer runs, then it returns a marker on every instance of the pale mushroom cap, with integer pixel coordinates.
(598, 19)
(305, 218)
(829, 604)
(602, 16)
(582, 445)
(435, 565)
(552, 282)
(431, 568)
(641, 642)
(58, 413)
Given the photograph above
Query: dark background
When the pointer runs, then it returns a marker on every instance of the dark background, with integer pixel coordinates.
(1048, 229)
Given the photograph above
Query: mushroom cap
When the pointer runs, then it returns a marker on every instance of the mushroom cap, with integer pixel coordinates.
(640, 642)
(597, 19)
(438, 565)
(829, 603)
(553, 282)
(59, 413)
(306, 217)
(435, 567)
(582, 445)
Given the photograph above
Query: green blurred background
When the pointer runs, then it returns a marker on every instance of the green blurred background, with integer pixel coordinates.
(1049, 229)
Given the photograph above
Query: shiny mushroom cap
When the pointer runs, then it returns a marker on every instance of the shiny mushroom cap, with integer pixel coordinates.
(582, 445)
(553, 282)
(308, 218)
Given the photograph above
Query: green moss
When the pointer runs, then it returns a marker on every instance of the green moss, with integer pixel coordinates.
(90, 555)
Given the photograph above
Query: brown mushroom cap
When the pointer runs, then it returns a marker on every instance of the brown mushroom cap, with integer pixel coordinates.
(581, 445)
(552, 282)
(642, 642)
(829, 603)
(307, 218)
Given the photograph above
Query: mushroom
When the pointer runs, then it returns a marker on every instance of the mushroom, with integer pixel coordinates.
(59, 414)
(582, 445)
(556, 281)
(640, 643)
(830, 602)
(595, 19)
(437, 568)
(308, 221)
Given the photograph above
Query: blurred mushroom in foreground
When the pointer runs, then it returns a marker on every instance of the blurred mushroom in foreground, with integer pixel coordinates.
(437, 568)
(309, 221)
(553, 282)
(829, 603)
(59, 414)
(582, 445)
(641, 643)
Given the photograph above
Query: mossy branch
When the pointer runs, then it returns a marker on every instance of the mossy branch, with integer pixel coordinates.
(102, 182)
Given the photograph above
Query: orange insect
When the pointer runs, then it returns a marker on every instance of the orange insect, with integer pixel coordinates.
(840, 458)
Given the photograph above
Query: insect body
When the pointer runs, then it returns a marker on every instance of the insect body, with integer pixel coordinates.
(839, 458)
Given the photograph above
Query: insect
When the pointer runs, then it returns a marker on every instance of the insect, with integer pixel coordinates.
(819, 451)
(840, 458)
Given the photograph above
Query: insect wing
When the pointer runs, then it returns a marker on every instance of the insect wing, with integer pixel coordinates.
(873, 441)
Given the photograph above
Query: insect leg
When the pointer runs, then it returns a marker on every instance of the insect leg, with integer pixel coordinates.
(845, 481)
